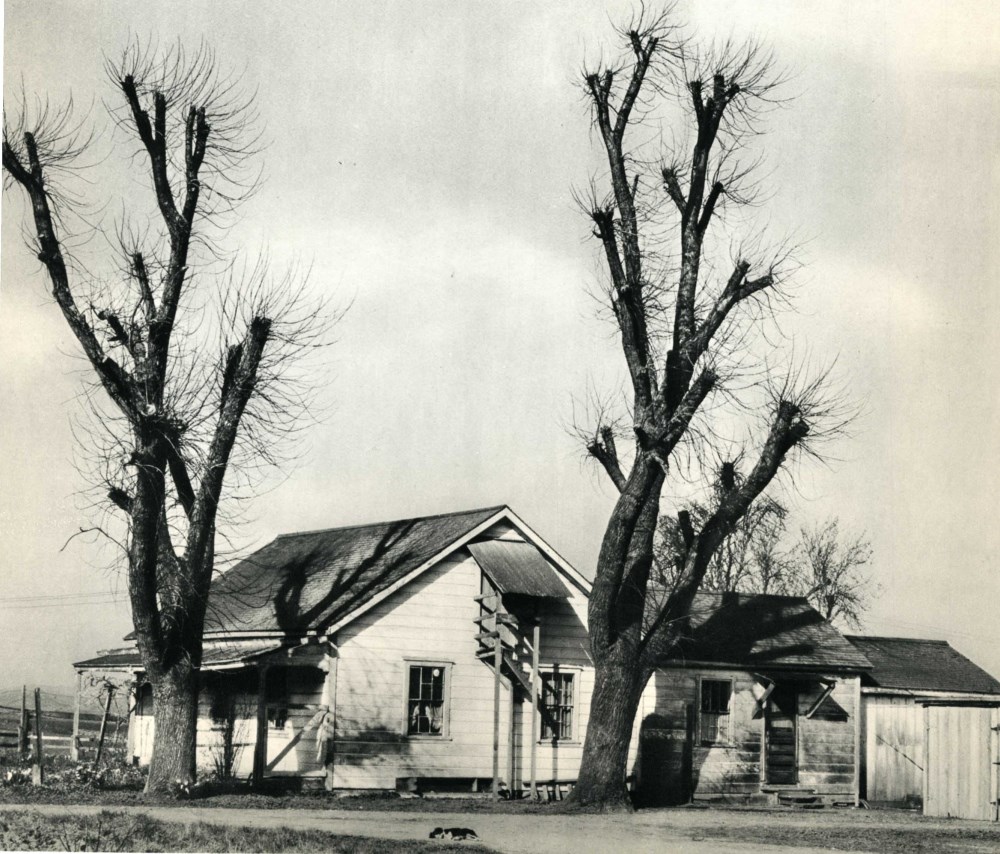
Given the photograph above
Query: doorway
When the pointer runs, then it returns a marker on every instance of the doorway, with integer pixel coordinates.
(780, 741)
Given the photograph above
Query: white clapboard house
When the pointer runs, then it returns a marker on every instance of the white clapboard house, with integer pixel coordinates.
(378, 655)
(447, 651)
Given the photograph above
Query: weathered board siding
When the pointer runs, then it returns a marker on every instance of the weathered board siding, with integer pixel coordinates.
(961, 777)
(140, 738)
(675, 766)
(893, 752)
(826, 741)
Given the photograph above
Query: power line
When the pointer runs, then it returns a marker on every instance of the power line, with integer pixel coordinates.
(31, 607)
(54, 596)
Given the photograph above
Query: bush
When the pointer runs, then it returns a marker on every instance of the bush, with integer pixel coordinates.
(64, 775)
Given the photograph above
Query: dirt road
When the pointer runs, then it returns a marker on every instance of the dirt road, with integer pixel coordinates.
(644, 833)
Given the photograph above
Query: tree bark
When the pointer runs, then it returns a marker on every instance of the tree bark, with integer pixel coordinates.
(618, 686)
(175, 710)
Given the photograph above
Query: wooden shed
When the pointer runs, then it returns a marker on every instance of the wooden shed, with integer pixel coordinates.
(930, 729)
(760, 703)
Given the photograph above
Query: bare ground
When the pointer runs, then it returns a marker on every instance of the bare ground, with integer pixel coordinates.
(726, 831)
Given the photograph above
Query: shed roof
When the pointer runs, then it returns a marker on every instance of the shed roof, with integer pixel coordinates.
(518, 567)
(916, 664)
(310, 580)
(757, 630)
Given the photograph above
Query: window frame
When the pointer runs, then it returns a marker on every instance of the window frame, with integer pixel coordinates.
(723, 739)
(561, 670)
(446, 667)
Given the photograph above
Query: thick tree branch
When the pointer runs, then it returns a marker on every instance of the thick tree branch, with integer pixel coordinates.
(673, 188)
(115, 379)
(788, 429)
(154, 139)
(603, 449)
(241, 373)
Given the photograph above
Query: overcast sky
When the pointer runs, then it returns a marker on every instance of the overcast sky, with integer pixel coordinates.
(422, 157)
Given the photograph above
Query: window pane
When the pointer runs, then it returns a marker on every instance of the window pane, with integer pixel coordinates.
(557, 701)
(425, 709)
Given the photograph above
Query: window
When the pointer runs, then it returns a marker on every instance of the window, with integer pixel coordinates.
(716, 695)
(425, 703)
(144, 700)
(276, 697)
(557, 705)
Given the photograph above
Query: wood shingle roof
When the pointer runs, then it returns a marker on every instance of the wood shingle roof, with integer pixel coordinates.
(914, 664)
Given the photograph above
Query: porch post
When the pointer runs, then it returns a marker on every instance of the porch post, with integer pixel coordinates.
(260, 745)
(859, 723)
(329, 726)
(535, 640)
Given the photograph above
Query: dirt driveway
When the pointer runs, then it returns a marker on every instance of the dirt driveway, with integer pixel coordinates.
(677, 830)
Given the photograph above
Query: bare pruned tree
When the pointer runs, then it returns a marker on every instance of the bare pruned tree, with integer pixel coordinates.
(688, 318)
(753, 557)
(196, 351)
(833, 575)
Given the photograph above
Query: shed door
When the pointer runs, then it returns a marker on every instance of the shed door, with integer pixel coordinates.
(780, 760)
(958, 762)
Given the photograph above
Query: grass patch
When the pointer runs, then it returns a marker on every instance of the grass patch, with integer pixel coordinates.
(120, 831)
(863, 837)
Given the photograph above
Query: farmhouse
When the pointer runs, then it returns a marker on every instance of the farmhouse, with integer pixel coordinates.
(930, 728)
(380, 655)
(448, 651)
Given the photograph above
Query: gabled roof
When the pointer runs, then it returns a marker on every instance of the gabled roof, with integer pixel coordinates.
(760, 631)
(311, 580)
(914, 664)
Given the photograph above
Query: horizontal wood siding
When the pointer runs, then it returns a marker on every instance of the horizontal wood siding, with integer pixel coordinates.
(826, 740)
(675, 765)
(430, 619)
(893, 749)
(564, 642)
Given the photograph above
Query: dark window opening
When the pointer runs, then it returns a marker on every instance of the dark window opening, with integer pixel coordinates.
(716, 696)
(144, 700)
(557, 703)
(276, 694)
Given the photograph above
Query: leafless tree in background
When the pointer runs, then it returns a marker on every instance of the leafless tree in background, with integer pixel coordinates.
(833, 574)
(690, 301)
(196, 349)
(825, 565)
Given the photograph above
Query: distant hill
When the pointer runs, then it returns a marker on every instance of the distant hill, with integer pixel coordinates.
(62, 698)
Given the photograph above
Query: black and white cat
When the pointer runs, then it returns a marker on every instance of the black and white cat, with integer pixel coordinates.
(453, 833)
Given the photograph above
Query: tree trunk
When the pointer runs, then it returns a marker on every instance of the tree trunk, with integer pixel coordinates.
(175, 709)
(618, 686)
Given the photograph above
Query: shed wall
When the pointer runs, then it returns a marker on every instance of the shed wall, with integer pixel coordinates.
(893, 750)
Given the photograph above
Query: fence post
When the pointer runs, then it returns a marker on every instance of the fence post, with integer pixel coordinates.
(38, 769)
(104, 723)
(22, 725)
(74, 745)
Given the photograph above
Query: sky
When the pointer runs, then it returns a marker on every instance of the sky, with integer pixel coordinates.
(421, 160)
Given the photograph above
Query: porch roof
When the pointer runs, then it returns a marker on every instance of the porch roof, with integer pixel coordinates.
(215, 654)
(518, 567)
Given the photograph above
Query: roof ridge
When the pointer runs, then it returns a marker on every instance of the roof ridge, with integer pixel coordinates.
(896, 638)
(493, 508)
(753, 595)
